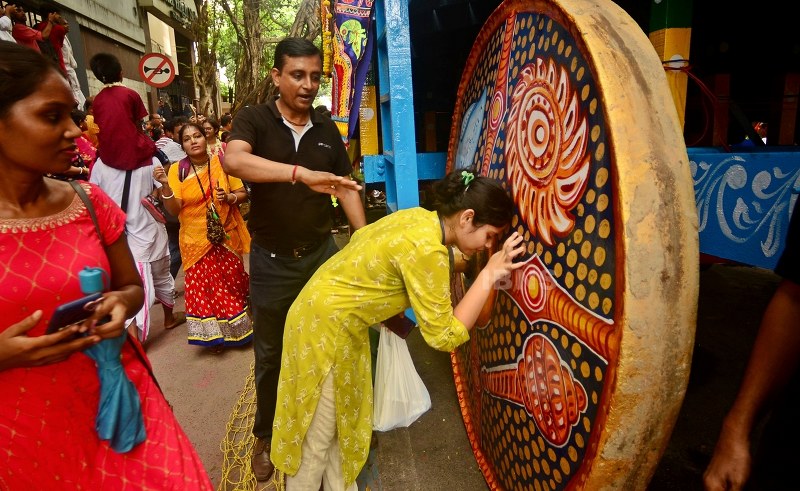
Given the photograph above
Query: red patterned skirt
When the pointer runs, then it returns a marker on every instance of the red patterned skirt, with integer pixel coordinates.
(217, 291)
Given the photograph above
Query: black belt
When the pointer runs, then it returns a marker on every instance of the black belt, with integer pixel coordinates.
(296, 252)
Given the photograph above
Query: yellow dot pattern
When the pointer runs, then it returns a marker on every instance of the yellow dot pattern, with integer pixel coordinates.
(589, 245)
(582, 263)
(510, 439)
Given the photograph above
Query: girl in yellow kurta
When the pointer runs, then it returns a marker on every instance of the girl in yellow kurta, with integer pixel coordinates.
(217, 286)
(396, 262)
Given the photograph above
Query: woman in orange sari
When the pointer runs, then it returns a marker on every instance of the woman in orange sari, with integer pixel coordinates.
(217, 286)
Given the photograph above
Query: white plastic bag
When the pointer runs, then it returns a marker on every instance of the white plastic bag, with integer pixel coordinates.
(400, 396)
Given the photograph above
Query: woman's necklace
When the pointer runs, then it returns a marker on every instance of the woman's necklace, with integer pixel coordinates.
(114, 84)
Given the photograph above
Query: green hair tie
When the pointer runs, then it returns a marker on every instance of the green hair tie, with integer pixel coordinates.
(468, 177)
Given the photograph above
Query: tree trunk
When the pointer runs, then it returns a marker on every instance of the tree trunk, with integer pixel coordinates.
(205, 72)
(251, 88)
(250, 36)
(306, 24)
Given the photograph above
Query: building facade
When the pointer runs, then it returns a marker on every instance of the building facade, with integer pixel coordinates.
(129, 29)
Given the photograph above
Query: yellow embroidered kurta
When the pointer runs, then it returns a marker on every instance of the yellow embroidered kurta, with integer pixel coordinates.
(396, 262)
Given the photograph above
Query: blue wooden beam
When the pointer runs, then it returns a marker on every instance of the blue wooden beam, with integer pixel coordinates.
(429, 166)
(396, 102)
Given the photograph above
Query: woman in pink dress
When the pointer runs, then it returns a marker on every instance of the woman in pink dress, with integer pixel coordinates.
(49, 385)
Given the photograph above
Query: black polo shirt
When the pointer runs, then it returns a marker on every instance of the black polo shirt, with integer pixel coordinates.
(282, 214)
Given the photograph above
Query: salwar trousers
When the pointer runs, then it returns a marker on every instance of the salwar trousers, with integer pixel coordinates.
(321, 459)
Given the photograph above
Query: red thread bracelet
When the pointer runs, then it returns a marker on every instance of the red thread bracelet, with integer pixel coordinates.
(294, 173)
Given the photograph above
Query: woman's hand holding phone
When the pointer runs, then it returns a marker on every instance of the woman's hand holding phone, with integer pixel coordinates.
(114, 307)
(97, 314)
(222, 195)
(17, 349)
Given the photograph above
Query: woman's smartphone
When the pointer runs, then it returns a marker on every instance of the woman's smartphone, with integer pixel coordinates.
(73, 312)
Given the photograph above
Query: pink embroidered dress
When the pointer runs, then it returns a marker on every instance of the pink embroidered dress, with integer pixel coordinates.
(47, 414)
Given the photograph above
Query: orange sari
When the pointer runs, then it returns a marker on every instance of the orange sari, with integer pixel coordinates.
(193, 241)
(217, 285)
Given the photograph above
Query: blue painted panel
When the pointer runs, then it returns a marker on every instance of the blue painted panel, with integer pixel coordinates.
(744, 201)
(374, 169)
(384, 107)
(430, 166)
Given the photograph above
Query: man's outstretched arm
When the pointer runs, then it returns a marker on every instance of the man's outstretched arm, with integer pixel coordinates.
(240, 162)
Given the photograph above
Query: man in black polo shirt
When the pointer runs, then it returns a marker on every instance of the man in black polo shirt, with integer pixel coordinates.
(296, 163)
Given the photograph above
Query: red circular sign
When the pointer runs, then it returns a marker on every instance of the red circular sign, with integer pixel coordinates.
(157, 70)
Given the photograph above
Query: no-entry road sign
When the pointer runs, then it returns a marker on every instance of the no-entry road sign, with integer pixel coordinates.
(157, 70)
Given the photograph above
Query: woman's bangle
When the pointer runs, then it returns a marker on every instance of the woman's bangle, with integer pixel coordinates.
(235, 198)
(294, 175)
(168, 197)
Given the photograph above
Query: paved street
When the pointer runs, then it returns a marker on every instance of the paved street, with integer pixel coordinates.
(202, 387)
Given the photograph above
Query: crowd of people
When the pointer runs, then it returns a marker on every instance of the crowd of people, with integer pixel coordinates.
(85, 197)
(50, 230)
(137, 170)
(104, 184)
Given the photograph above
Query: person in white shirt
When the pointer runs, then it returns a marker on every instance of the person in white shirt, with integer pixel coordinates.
(5, 22)
(71, 65)
(147, 240)
(165, 143)
(174, 152)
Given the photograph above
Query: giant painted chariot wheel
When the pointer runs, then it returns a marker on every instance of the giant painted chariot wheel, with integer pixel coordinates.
(574, 377)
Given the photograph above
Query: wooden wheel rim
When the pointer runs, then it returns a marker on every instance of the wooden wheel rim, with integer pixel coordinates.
(577, 380)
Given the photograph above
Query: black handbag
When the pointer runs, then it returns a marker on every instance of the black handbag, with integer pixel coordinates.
(400, 325)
